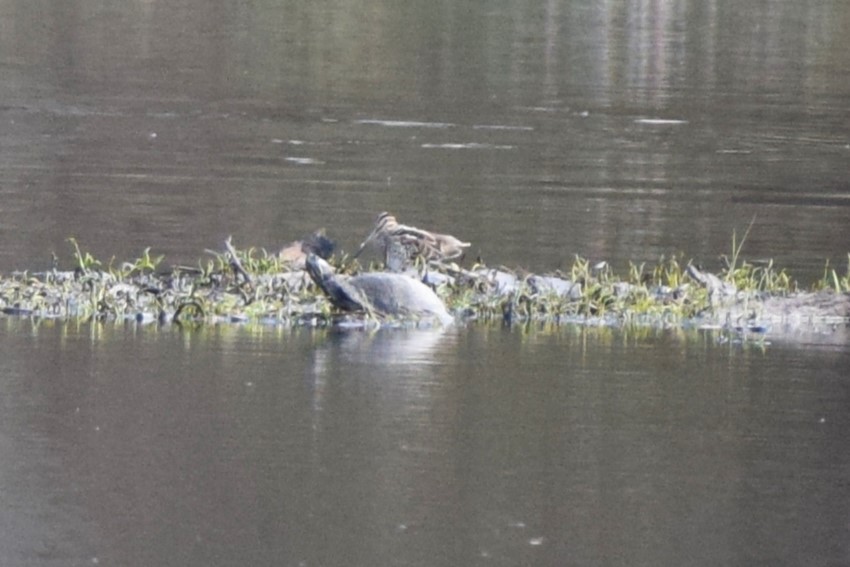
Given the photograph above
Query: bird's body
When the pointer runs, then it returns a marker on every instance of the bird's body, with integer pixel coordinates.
(295, 253)
(403, 244)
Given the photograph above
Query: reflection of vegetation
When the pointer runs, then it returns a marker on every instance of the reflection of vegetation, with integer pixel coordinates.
(434, 49)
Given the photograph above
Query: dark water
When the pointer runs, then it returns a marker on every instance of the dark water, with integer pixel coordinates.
(614, 130)
(227, 446)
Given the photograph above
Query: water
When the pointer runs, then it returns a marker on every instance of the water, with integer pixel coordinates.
(615, 130)
(618, 131)
(228, 445)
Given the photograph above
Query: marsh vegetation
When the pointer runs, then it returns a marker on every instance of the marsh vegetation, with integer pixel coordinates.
(254, 285)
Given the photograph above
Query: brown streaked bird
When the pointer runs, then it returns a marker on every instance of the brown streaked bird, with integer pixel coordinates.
(295, 253)
(403, 244)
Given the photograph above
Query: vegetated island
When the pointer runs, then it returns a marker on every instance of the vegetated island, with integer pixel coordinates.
(252, 285)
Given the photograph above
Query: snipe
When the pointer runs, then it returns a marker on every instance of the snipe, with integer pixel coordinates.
(295, 253)
(403, 244)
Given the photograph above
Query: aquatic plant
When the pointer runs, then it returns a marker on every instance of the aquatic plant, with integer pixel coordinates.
(84, 260)
(144, 264)
(832, 281)
(238, 285)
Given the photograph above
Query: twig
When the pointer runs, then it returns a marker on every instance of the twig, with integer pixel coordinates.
(235, 263)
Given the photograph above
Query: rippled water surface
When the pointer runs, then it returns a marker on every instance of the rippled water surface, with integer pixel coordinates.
(536, 130)
(614, 130)
(134, 445)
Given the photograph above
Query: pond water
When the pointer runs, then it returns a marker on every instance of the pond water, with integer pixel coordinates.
(619, 131)
(127, 445)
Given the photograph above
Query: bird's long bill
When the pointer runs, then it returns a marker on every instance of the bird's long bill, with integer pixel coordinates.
(365, 242)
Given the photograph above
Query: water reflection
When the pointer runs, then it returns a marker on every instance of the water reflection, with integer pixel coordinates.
(175, 126)
(155, 445)
(411, 348)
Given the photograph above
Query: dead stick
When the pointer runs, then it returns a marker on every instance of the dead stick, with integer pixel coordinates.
(234, 261)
